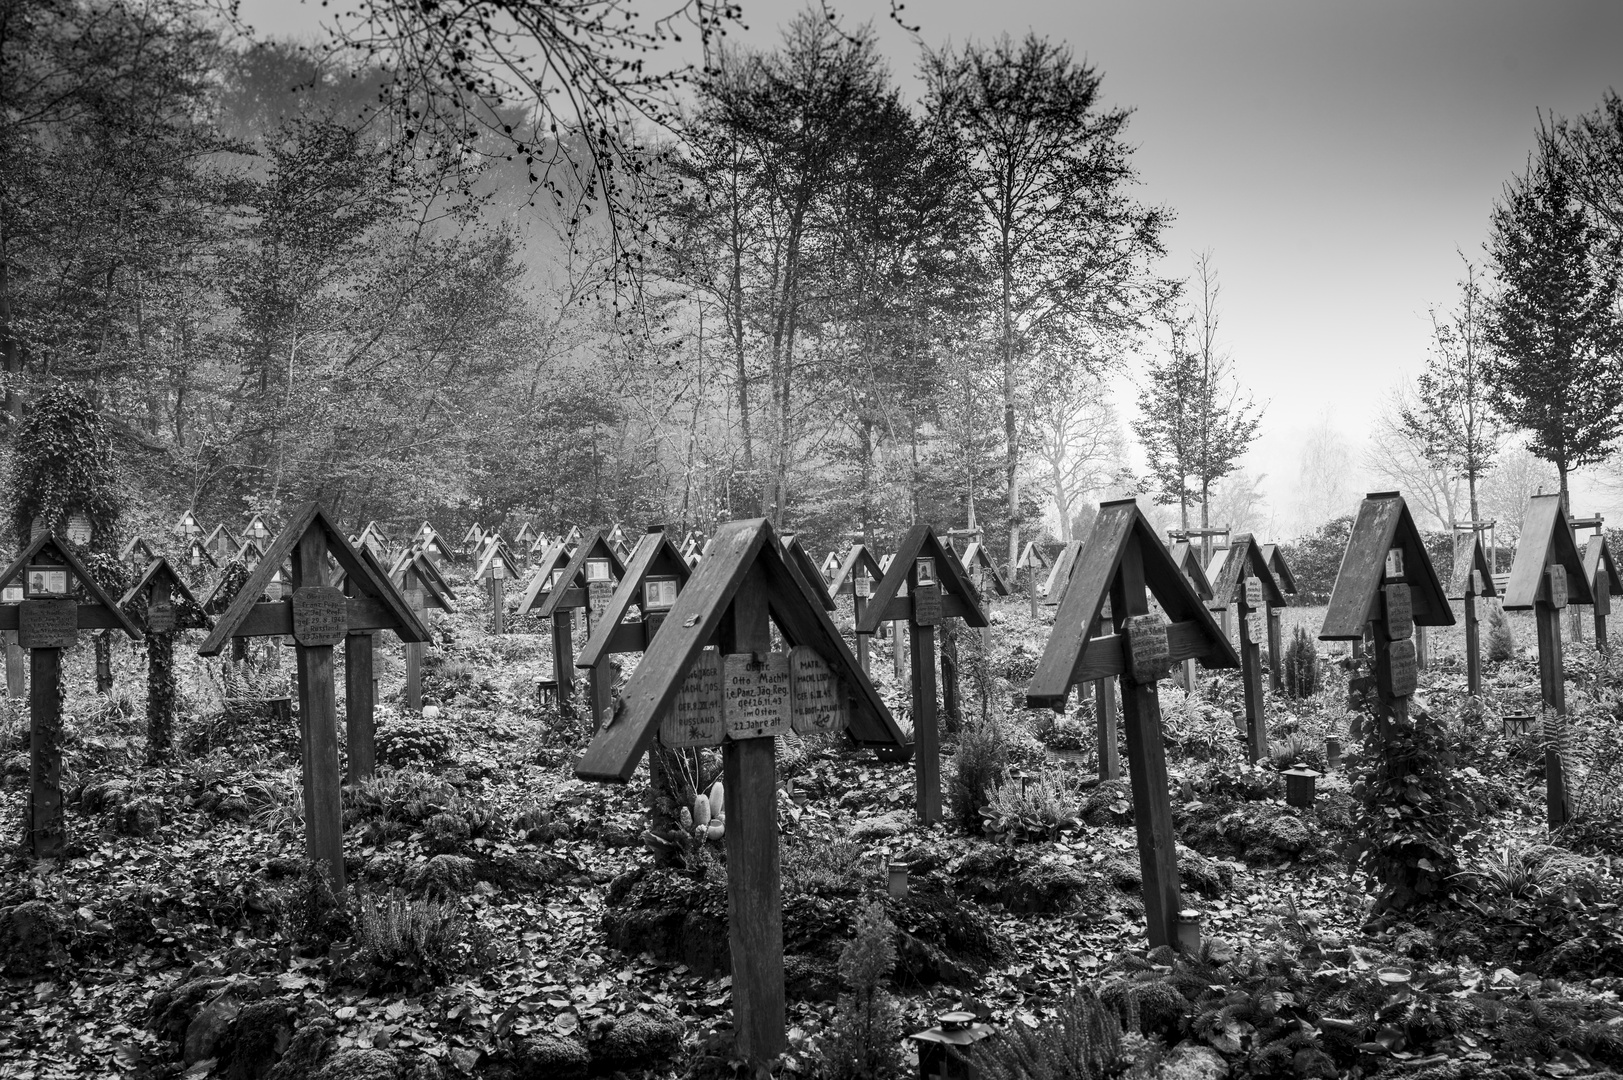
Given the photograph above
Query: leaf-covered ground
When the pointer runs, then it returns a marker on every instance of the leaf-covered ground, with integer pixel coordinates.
(184, 935)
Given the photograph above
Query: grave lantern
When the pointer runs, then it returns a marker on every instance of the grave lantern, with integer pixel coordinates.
(1189, 931)
(1548, 574)
(722, 623)
(1299, 785)
(1123, 561)
(936, 589)
(941, 1048)
(897, 879)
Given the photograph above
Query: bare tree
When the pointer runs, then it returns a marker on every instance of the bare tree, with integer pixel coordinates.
(1324, 487)
(1521, 475)
(1078, 438)
(1398, 453)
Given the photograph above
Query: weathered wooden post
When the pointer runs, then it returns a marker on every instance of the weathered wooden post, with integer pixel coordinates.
(496, 567)
(1245, 581)
(59, 598)
(689, 695)
(360, 681)
(936, 589)
(1601, 572)
(1548, 574)
(1032, 559)
(1187, 559)
(163, 605)
(1472, 577)
(855, 578)
(422, 586)
(319, 617)
(1124, 562)
(586, 582)
(1386, 583)
(1287, 585)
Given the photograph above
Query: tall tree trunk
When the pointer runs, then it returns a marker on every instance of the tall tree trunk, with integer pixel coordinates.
(1011, 439)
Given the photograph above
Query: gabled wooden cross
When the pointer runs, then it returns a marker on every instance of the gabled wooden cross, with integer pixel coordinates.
(1245, 581)
(1547, 575)
(1601, 571)
(1187, 559)
(937, 589)
(524, 537)
(221, 543)
(546, 572)
(1286, 581)
(432, 544)
(1472, 577)
(257, 531)
(474, 537)
(1032, 559)
(1386, 585)
(420, 582)
(1125, 563)
(319, 617)
(163, 605)
(586, 583)
(187, 526)
(59, 598)
(137, 552)
(1059, 575)
(982, 570)
(497, 566)
(855, 578)
(743, 587)
(829, 566)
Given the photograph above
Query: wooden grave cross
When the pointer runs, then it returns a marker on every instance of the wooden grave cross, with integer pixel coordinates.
(138, 553)
(429, 541)
(524, 537)
(257, 531)
(59, 598)
(1601, 570)
(221, 543)
(163, 605)
(420, 582)
(735, 694)
(251, 552)
(1598, 524)
(360, 682)
(830, 566)
(473, 538)
(800, 559)
(546, 572)
(497, 567)
(187, 526)
(586, 583)
(855, 578)
(898, 651)
(1059, 575)
(1032, 559)
(1472, 577)
(1547, 574)
(1287, 585)
(1245, 581)
(319, 617)
(1386, 584)
(1187, 559)
(1125, 562)
(937, 589)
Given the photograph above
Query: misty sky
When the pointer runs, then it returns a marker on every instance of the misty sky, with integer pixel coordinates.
(1333, 158)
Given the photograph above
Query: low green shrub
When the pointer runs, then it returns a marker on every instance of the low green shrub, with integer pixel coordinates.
(408, 945)
(864, 1041)
(1083, 1041)
(413, 740)
(1299, 669)
(977, 767)
(1501, 642)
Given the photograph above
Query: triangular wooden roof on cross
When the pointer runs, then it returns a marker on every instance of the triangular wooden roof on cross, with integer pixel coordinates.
(1599, 567)
(1275, 558)
(200, 549)
(958, 596)
(742, 550)
(137, 545)
(654, 556)
(552, 561)
(1383, 523)
(1546, 540)
(1469, 555)
(801, 561)
(256, 528)
(474, 535)
(1060, 574)
(975, 555)
(1073, 654)
(575, 572)
(415, 567)
(187, 525)
(525, 535)
(494, 550)
(221, 540)
(160, 569)
(89, 619)
(844, 579)
(1243, 559)
(1188, 564)
(377, 604)
(1032, 556)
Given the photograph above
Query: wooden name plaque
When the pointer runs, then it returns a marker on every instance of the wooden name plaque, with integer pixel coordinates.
(1256, 627)
(48, 624)
(1399, 612)
(1603, 600)
(695, 717)
(1148, 648)
(817, 701)
(1405, 669)
(1253, 592)
(1557, 576)
(598, 595)
(160, 615)
(320, 616)
(927, 605)
(755, 694)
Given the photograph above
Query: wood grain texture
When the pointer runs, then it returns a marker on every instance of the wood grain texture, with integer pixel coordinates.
(574, 574)
(1546, 541)
(1383, 523)
(47, 833)
(16, 666)
(360, 691)
(563, 654)
(926, 735)
(1553, 692)
(318, 725)
(1105, 731)
(1469, 555)
(101, 611)
(555, 557)
(414, 652)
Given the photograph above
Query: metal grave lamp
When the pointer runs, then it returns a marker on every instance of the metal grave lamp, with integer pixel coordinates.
(941, 1048)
